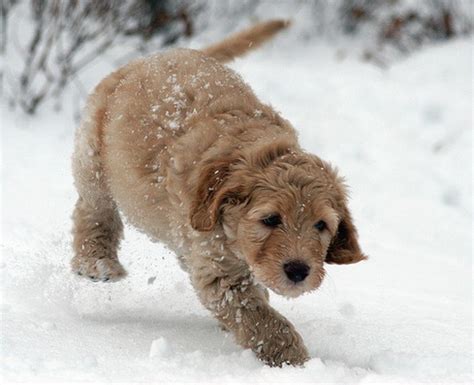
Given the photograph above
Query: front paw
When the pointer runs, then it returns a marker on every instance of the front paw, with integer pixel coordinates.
(285, 347)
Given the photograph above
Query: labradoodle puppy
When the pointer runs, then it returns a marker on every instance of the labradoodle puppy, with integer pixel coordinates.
(181, 146)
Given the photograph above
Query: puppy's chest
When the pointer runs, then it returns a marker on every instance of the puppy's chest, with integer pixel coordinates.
(210, 254)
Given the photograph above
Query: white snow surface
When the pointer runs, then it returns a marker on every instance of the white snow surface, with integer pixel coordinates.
(401, 136)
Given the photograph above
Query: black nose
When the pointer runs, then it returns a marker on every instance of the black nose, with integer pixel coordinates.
(296, 271)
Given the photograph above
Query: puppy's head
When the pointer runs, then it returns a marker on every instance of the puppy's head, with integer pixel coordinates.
(284, 212)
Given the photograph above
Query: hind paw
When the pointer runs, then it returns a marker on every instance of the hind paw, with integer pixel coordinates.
(98, 270)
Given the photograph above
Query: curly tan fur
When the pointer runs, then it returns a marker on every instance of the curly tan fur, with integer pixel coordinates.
(183, 148)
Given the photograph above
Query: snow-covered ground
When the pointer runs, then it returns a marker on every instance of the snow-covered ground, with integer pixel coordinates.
(401, 136)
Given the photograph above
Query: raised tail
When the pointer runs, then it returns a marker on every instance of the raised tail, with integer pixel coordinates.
(244, 41)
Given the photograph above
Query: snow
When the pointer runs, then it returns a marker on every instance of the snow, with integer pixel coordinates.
(402, 138)
(159, 348)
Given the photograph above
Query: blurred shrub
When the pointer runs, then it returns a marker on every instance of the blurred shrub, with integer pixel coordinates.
(67, 35)
(402, 25)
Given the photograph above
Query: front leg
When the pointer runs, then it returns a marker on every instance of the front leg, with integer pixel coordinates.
(242, 308)
(256, 325)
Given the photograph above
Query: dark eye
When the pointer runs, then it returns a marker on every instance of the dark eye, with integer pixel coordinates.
(272, 221)
(320, 226)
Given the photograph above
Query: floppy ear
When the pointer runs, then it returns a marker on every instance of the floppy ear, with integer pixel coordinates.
(344, 248)
(214, 188)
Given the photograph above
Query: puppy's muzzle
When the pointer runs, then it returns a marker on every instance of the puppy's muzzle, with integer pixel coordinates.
(296, 271)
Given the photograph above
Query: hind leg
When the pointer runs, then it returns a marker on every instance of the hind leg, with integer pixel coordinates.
(97, 232)
(97, 228)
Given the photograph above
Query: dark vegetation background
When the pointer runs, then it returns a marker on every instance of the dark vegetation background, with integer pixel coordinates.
(42, 58)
